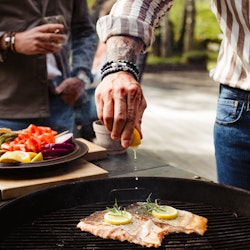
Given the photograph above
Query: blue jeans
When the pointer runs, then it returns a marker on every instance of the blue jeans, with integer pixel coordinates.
(232, 137)
(61, 118)
(85, 114)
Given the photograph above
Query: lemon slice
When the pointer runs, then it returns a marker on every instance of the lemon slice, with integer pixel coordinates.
(38, 157)
(165, 213)
(114, 219)
(15, 156)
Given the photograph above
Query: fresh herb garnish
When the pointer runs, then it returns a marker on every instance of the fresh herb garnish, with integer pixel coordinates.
(150, 206)
(117, 210)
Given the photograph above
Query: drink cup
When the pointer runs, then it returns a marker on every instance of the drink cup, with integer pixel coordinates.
(57, 19)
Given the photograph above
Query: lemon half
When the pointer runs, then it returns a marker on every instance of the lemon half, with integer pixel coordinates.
(136, 139)
(165, 213)
(118, 219)
(15, 156)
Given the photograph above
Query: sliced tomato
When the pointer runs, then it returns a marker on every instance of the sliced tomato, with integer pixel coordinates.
(31, 130)
(33, 145)
(19, 147)
(31, 139)
(46, 138)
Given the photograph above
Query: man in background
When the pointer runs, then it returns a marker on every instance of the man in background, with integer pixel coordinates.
(43, 67)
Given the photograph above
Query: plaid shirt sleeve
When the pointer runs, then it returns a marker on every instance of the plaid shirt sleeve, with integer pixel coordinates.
(134, 18)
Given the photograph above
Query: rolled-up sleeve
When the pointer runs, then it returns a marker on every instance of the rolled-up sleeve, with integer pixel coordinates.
(136, 18)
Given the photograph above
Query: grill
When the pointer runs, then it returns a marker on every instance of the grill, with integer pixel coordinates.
(52, 224)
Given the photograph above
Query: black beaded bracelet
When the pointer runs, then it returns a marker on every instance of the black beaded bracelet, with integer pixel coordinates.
(120, 63)
(113, 67)
(118, 69)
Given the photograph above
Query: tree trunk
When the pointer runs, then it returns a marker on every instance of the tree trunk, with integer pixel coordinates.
(186, 39)
(190, 25)
(166, 37)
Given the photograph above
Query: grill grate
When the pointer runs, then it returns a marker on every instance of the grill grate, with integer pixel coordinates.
(57, 230)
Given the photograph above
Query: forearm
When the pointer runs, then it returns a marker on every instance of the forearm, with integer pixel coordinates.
(125, 48)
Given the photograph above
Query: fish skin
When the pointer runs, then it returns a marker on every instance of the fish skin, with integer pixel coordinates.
(144, 229)
(186, 222)
(140, 231)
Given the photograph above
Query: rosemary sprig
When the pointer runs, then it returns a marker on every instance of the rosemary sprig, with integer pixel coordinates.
(150, 206)
(116, 210)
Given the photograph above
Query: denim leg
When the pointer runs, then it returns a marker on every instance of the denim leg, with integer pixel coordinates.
(85, 114)
(16, 125)
(232, 138)
(62, 115)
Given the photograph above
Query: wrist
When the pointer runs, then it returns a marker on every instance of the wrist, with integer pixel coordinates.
(8, 42)
(83, 77)
(2, 42)
(126, 66)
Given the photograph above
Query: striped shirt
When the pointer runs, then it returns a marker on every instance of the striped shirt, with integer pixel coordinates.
(233, 65)
(139, 18)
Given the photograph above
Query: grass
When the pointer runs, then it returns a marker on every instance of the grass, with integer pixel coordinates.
(180, 60)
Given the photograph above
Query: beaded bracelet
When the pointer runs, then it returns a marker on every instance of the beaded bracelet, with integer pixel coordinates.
(113, 67)
(109, 64)
(10, 41)
(118, 69)
(12, 44)
(120, 62)
(7, 41)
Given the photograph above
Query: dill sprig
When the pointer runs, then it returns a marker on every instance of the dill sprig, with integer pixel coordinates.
(150, 206)
(116, 210)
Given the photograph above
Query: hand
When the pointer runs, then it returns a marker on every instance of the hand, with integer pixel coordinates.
(40, 40)
(120, 105)
(70, 90)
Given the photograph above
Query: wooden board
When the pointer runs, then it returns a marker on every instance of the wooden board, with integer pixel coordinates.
(80, 169)
(95, 152)
(15, 186)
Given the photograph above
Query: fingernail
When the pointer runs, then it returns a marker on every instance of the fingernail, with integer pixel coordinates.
(125, 143)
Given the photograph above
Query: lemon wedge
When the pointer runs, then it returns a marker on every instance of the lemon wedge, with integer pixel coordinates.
(165, 213)
(32, 155)
(15, 156)
(38, 157)
(116, 219)
(136, 141)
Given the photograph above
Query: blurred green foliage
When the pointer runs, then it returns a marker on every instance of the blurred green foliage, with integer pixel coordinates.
(206, 24)
(90, 2)
(206, 27)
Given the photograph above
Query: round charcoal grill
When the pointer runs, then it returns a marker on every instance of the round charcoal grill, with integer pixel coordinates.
(47, 219)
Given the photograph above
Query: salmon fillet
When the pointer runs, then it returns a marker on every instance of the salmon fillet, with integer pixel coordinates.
(185, 222)
(141, 231)
(144, 229)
